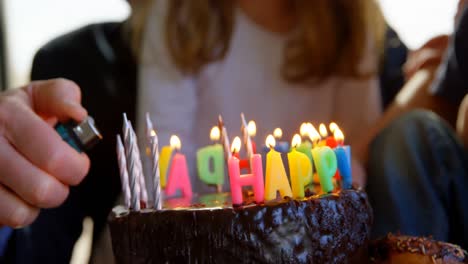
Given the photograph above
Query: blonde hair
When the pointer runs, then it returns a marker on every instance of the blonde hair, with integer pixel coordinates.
(331, 36)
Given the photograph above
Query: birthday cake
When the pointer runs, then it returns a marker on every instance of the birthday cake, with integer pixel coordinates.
(331, 228)
(267, 217)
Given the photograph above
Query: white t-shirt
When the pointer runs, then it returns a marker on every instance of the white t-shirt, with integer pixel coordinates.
(246, 80)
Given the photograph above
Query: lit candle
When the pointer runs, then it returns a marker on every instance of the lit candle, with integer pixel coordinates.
(178, 172)
(281, 146)
(327, 140)
(313, 134)
(246, 136)
(305, 146)
(300, 169)
(332, 127)
(275, 179)
(254, 179)
(210, 161)
(252, 128)
(343, 156)
(325, 164)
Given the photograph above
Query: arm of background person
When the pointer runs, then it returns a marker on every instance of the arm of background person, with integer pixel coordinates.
(443, 97)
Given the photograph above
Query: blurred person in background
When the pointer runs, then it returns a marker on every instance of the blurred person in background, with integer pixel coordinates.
(185, 62)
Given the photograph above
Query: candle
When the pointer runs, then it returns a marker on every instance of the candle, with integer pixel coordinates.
(304, 131)
(246, 136)
(281, 146)
(275, 179)
(152, 146)
(123, 171)
(210, 161)
(313, 134)
(155, 179)
(305, 146)
(178, 172)
(325, 164)
(224, 138)
(254, 179)
(343, 156)
(164, 163)
(252, 128)
(332, 127)
(139, 168)
(327, 140)
(300, 168)
(133, 173)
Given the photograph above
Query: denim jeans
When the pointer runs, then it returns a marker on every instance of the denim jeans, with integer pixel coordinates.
(418, 180)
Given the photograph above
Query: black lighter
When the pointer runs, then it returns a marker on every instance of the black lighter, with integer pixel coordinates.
(81, 136)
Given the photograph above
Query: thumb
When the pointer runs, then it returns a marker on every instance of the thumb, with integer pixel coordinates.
(57, 98)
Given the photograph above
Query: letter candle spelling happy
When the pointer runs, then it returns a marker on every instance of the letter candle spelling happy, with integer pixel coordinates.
(210, 162)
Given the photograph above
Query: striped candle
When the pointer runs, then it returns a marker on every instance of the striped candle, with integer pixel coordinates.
(123, 171)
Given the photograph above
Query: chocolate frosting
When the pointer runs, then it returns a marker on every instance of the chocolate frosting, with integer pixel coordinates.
(332, 228)
(383, 248)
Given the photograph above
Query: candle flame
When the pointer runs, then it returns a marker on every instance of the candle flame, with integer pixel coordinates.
(278, 133)
(175, 142)
(270, 141)
(236, 145)
(303, 130)
(338, 135)
(296, 141)
(153, 133)
(215, 134)
(332, 127)
(313, 133)
(323, 130)
(252, 128)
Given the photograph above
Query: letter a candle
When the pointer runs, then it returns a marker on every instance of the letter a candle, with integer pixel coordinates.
(178, 172)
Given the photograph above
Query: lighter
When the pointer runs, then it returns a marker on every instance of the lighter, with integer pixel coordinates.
(81, 136)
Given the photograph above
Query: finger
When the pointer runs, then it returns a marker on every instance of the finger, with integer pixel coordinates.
(59, 98)
(41, 144)
(14, 212)
(27, 181)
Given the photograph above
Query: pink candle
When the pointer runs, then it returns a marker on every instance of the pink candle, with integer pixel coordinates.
(254, 179)
(178, 173)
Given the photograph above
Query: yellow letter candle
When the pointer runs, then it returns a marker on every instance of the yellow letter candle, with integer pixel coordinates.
(326, 165)
(275, 179)
(164, 162)
(300, 168)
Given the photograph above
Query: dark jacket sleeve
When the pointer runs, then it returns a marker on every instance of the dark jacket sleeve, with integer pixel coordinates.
(391, 72)
(95, 58)
(452, 77)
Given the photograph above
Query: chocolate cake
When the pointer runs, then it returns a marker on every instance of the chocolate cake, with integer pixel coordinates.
(330, 228)
(394, 249)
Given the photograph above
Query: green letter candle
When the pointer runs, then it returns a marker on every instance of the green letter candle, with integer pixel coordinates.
(326, 165)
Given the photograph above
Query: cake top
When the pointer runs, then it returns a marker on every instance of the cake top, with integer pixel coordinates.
(217, 201)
